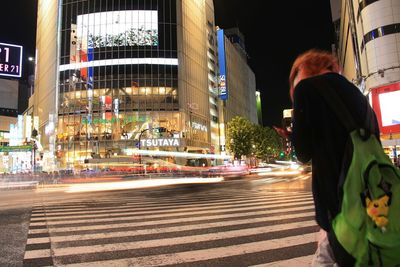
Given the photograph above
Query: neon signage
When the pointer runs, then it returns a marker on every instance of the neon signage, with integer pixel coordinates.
(385, 99)
(199, 126)
(222, 85)
(10, 60)
(114, 120)
(160, 142)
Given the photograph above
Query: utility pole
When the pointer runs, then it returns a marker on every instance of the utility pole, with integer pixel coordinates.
(140, 136)
(34, 148)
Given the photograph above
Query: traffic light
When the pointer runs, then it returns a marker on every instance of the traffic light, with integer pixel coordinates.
(288, 147)
(160, 129)
(282, 154)
(34, 133)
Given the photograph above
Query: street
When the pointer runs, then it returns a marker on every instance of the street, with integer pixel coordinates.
(249, 222)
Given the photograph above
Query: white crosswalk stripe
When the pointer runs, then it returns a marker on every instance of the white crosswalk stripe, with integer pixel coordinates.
(213, 229)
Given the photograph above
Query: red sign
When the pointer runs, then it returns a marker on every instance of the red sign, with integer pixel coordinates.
(385, 102)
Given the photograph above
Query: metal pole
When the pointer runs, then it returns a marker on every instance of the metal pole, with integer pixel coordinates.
(140, 156)
(34, 157)
(140, 136)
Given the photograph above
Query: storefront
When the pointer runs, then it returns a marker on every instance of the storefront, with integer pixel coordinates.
(16, 159)
(392, 149)
(385, 101)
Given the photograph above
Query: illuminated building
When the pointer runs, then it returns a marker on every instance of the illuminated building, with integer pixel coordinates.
(240, 95)
(8, 108)
(237, 82)
(368, 48)
(111, 74)
(10, 72)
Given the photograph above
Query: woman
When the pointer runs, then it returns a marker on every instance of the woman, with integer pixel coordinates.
(318, 135)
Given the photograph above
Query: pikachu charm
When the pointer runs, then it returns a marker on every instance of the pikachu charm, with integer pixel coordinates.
(378, 210)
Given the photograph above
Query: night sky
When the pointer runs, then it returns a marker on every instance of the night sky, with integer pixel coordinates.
(275, 33)
(274, 36)
(18, 26)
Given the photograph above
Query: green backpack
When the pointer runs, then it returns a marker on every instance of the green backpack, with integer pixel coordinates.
(368, 224)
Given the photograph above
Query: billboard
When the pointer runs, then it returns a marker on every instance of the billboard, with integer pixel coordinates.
(10, 60)
(118, 28)
(385, 101)
(222, 83)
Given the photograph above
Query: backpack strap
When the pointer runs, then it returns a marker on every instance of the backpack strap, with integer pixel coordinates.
(333, 100)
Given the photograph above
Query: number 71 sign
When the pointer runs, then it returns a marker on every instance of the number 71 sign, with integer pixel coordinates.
(10, 60)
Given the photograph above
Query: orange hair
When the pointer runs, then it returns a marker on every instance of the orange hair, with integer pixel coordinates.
(313, 62)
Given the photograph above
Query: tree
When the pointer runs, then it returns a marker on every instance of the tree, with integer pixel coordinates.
(239, 136)
(267, 143)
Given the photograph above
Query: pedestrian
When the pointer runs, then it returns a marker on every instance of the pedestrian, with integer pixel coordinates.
(398, 161)
(318, 135)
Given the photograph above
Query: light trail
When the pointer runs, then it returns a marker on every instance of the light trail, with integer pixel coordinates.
(92, 187)
(176, 154)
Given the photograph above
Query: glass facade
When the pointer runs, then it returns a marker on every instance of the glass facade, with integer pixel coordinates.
(118, 76)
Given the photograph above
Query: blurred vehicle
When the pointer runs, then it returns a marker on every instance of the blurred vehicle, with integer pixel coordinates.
(306, 168)
(88, 170)
(262, 165)
(229, 171)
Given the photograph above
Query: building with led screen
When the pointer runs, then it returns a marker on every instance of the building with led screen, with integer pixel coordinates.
(368, 48)
(113, 77)
(118, 76)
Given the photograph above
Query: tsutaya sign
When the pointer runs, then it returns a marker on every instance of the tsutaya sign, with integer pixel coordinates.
(157, 142)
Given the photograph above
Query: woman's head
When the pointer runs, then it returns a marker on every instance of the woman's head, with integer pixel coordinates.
(311, 63)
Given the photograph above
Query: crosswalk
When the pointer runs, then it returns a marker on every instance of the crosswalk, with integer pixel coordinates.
(213, 228)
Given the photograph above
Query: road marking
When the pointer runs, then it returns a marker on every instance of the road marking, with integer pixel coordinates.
(37, 253)
(179, 204)
(153, 224)
(105, 233)
(169, 214)
(180, 240)
(294, 262)
(150, 223)
(37, 231)
(177, 212)
(203, 254)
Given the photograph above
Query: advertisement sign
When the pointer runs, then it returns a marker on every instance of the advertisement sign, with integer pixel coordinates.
(28, 126)
(222, 86)
(160, 142)
(119, 28)
(24, 148)
(73, 55)
(287, 113)
(106, 102)
(223, 94)
(20, 127)
(385, 101)
(10, 60)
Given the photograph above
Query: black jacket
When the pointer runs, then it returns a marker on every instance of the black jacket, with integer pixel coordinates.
(319, 136)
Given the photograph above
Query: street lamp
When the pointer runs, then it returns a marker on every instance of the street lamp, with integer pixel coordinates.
(31, 77)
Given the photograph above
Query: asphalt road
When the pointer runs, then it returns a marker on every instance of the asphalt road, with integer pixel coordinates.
(251, 222)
